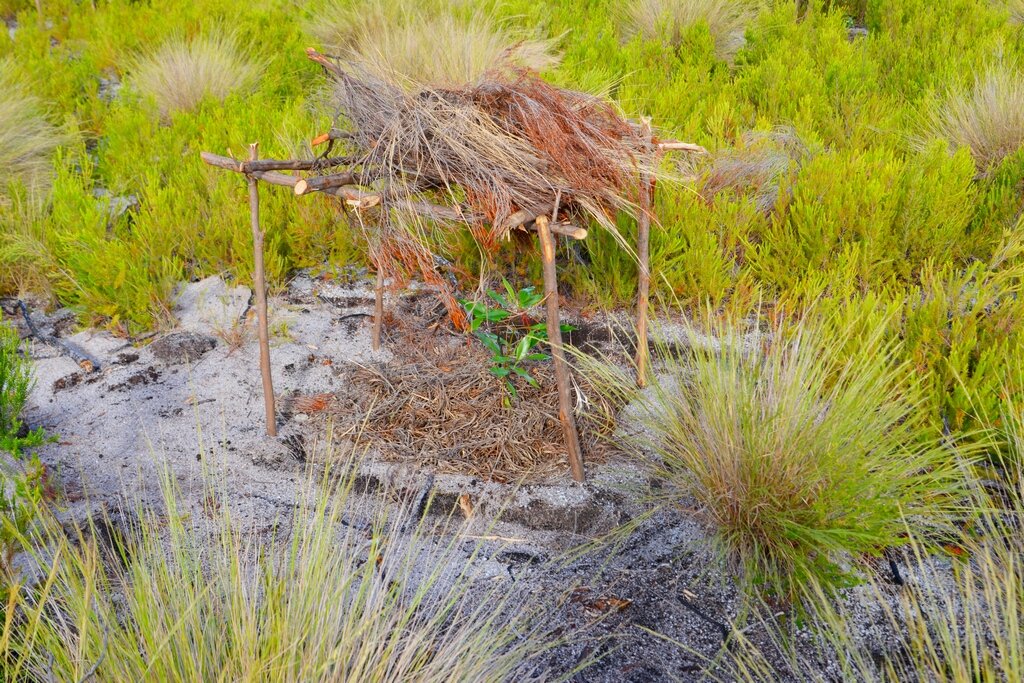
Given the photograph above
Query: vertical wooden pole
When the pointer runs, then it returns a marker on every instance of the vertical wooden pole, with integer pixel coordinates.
(378, 309)
(643, 251)
(260, 285)
(565, 414)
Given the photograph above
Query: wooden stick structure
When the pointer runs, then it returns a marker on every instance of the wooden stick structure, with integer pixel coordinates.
(403, 162)
(554, 325)
(260, 285)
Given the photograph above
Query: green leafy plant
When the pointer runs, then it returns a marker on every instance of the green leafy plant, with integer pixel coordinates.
(22, 483)
(509, 332)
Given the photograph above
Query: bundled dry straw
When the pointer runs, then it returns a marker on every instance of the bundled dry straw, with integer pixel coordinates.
(498, 153)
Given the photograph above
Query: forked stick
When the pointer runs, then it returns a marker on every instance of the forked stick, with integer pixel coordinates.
(260, 285)
(565, 412)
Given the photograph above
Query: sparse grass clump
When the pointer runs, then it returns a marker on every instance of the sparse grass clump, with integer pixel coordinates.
(319, 600)
(956, 619)
(27, 138)
(182, 73)
(988, 119)
(426, 44)
(758, 168)
(671, 19)
(1016, 10)
(799, 454)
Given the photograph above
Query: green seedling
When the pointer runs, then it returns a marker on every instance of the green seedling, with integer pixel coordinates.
(510, 332)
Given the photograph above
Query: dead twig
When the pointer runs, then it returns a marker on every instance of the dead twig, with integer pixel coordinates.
(84, 360)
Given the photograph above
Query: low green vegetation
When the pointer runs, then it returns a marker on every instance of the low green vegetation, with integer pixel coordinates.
(510, 332)
(853, 240)
(22, 477)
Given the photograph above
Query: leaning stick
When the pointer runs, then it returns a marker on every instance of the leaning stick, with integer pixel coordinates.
(643, 251)
(325, 62)
(259, 283)
(565, 412)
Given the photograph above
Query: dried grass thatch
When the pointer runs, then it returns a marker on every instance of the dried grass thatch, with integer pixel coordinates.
(496, 153)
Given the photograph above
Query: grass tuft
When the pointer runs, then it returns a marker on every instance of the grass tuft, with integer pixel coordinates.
(670, 20)
(988, 119)
(759, 167)
(182, 73)
(799, 452)
(957, 619)
(27, 139)
(426, 44)
(316, 599)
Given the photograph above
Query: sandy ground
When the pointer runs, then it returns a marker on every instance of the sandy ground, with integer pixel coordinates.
(190, 403)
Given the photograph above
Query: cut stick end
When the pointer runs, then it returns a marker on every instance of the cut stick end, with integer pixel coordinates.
(300, 187)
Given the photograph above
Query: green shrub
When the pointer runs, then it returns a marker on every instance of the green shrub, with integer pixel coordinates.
(21, 481)
(798, 453)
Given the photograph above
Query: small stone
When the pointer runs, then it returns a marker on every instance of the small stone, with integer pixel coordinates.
(181, 347)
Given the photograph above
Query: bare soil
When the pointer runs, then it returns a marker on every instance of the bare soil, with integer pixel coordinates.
(189, 402)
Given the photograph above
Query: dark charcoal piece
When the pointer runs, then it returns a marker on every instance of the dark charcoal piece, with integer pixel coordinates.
(180, 347)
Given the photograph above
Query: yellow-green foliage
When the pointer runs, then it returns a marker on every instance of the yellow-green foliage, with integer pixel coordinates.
(874, 205)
